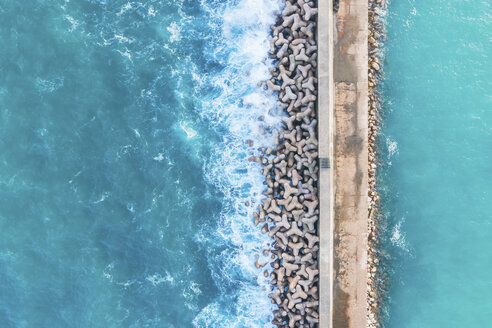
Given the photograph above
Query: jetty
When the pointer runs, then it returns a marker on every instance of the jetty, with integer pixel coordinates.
(316, 205)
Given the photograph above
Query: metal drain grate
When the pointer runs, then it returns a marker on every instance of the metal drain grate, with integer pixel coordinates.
(324, 162)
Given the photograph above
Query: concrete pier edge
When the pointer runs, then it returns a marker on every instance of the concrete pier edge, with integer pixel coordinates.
(325, 134)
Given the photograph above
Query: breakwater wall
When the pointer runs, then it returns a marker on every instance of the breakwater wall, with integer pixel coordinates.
(318, 176)
(376, 284)
(290, 211)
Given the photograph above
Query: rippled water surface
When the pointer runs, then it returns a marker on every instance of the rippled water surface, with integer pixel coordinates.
(436, 181)
(123, 171)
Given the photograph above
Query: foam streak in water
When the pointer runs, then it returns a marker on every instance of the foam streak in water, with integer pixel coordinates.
(233, 107)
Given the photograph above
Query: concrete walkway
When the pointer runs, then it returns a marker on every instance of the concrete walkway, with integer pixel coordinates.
(325, 134)
(343, 114)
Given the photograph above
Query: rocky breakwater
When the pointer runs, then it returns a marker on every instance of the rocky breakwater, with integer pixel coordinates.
(289, 213)
(377, 278)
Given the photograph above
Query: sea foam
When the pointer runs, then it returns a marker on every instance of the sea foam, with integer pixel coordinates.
(234, 107)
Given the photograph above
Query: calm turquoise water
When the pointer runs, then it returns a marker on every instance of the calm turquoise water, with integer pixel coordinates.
(123, 172)
(437, 178)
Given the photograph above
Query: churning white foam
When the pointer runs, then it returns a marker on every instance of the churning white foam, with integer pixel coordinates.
(397, 237)
(157, 279)
(234, 108)
(186, 127)
(392, 147)
(175, 31)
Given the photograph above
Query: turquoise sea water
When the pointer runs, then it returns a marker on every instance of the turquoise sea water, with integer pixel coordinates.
(123, 171)
(436, 182)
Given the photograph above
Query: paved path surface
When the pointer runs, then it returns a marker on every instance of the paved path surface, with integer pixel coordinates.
(325, 132)
(350, 171)
(342, 111)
